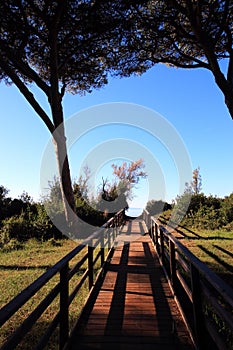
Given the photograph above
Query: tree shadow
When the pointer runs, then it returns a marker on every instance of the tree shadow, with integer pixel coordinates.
(223, 250)
(33, 337)
(227, 266)
(129, 229)
(164, 221)
(142, 229)
(132, 308)
(23, 268)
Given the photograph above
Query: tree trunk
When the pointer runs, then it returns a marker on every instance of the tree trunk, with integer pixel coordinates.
(229, 97)
(64, 175)
(227, 89)
(55, 101)
(225, 84)
(229, 102)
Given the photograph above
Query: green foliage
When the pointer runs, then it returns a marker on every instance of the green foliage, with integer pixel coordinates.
(42, 225)
(3, 193)
(23, 220)
(206, 217)
(89, 214)
(3, 202)
(53, 202)
(157, 207)
(180, 209)
(77, 29)
(204, 212)
(81, 186)
(184, 34)
(227, 208)
(15, 227)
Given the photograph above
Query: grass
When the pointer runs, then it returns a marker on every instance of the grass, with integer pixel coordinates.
(18, 269)
(213, 247)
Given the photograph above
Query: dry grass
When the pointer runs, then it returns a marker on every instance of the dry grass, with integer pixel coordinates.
(19, 268)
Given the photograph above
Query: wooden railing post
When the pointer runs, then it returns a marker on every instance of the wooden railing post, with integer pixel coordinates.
(152, 231)
(199, 325)
(109, 237)
(172, 254)
(162, 244)
(64, 306)
(90, 264)
(117, 221)
(157, 237)
(102, 248)
(115, 229)
(148, 221)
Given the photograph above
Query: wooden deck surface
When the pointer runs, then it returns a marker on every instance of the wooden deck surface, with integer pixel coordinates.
(134, 307)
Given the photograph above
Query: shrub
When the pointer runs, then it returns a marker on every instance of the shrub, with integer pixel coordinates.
(4, 237)
(13, 244)
(16, 227)
(156, 207)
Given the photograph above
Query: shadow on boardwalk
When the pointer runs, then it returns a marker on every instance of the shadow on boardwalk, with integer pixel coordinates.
(134, 307)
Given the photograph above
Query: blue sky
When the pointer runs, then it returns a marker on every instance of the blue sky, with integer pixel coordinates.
(188, 100)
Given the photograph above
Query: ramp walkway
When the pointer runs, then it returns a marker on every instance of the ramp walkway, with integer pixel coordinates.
(134, 307)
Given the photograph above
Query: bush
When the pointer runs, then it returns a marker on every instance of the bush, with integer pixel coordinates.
(13, 244)
(15, 227)
(208, 218)
(4, 237)
(42, 225)
(28, 225)
(156, 207)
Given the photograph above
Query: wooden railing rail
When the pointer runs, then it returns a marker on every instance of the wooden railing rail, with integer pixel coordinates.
(97, 247)
(205, 300)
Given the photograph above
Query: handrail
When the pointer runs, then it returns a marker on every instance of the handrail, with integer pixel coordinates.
(196, 288)
(103, 238)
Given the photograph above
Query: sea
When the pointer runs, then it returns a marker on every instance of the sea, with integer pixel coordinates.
(134, 212)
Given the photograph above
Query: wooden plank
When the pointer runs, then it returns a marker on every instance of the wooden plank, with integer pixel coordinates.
(135, 308)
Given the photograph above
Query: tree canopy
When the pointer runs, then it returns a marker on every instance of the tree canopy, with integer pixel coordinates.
(59, 45)
(180, 33)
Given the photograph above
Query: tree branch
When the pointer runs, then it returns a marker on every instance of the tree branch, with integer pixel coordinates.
(230, 70)
(27, 94)
(24, 68)
(191, 58)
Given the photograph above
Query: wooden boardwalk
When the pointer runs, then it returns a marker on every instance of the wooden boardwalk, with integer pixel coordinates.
(134, 307)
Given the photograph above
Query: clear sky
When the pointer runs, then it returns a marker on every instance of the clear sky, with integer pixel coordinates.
(187, 100)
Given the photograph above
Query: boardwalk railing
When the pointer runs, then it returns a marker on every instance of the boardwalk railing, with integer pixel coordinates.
(97, 247)
(205, 300)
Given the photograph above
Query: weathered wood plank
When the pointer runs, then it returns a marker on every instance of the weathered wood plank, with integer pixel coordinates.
(135, 308)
